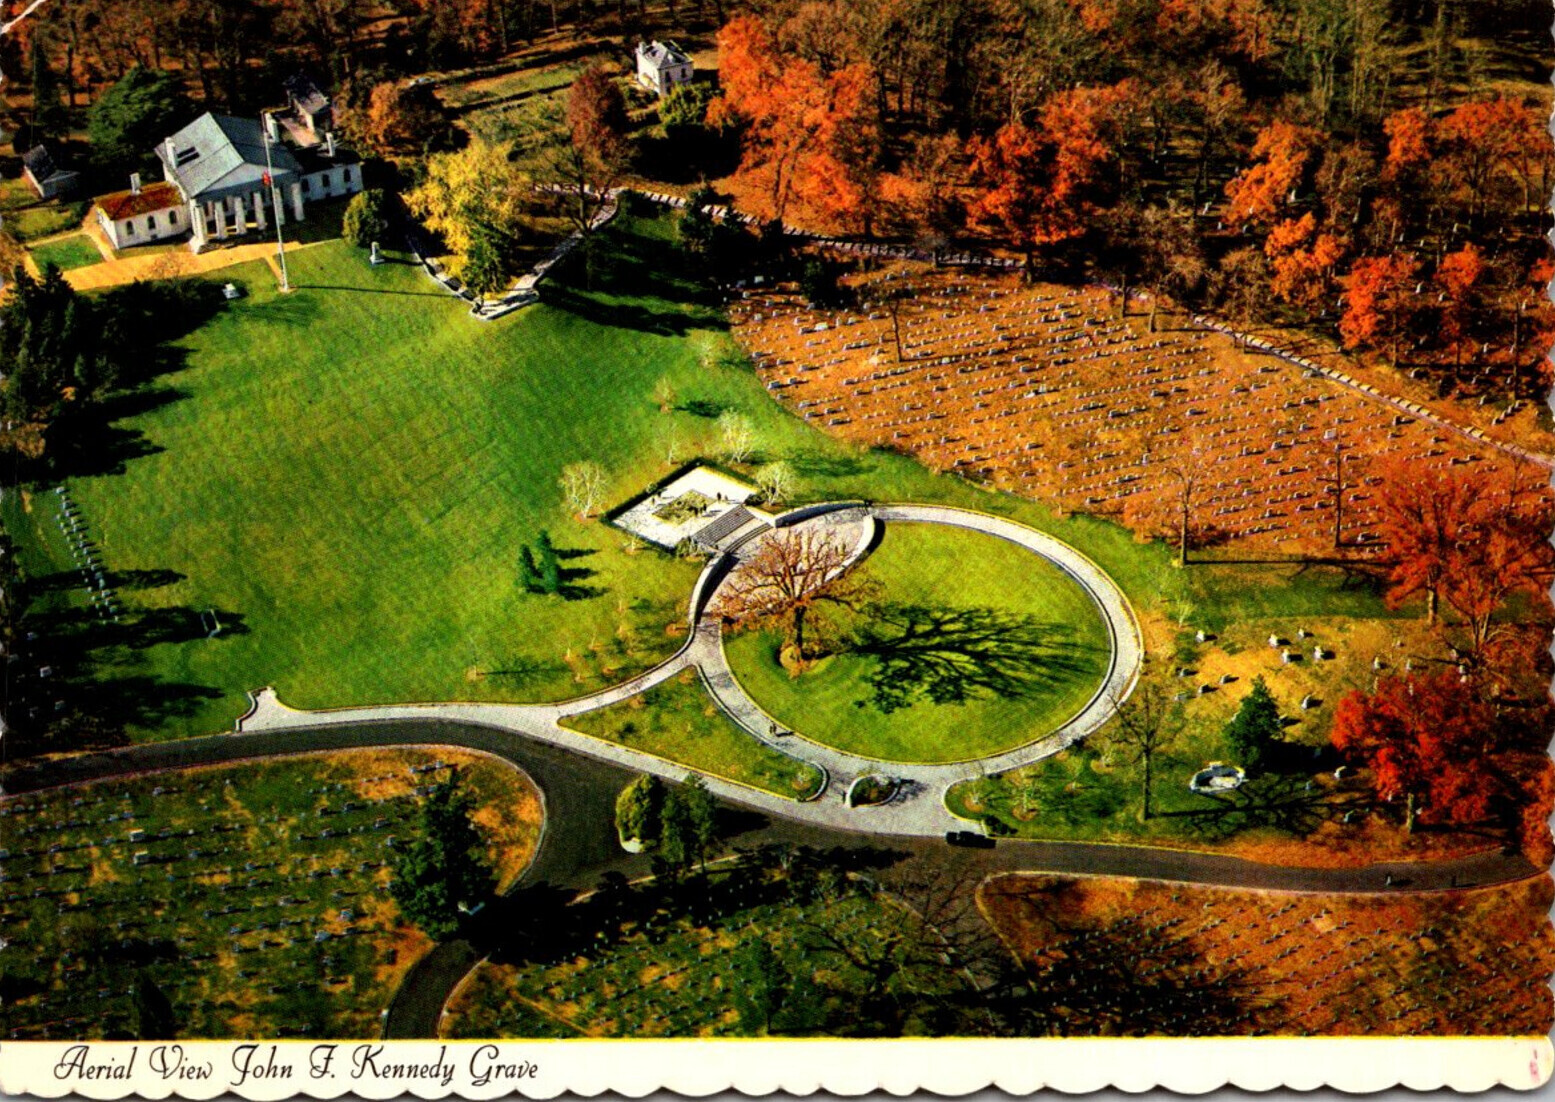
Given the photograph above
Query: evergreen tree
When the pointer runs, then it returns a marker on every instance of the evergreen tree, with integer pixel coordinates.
(638, 809)
(528, 572)
(676, 834)
(127, 121)
(701, 817)
(1251, 733)
(550, 565)
(445, 866)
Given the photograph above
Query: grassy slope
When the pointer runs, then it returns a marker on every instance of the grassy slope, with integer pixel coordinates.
(350, 468)
(678, 721)
(924, 564)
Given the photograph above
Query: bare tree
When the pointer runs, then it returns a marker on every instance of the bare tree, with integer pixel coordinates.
(1143, 723)
(664, 394)
(775, 481)
(791, 572)
(670, 442)
(1187, 476)
(737, 435)
(583, 486)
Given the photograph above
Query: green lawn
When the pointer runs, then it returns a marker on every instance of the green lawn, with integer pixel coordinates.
(44, 220)
(1047, 635)
(76, 251)
(344, 475)
(679, 721)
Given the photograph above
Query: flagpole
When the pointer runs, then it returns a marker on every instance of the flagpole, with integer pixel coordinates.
(275, 201)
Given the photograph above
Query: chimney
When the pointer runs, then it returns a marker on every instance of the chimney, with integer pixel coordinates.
(134, 183)
(170, 154)
(329, 144)
(271, 129)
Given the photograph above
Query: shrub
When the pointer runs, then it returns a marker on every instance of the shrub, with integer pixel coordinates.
(367, 217)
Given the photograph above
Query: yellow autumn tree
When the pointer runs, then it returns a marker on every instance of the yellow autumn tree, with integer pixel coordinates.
(476, 200)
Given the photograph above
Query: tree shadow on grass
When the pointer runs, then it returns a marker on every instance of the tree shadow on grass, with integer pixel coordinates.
(80, 680)
(951, 655)
(1286, 802)
(701, 407)
(96, 444)
(821, 465)
(573, 577)
(623, 315)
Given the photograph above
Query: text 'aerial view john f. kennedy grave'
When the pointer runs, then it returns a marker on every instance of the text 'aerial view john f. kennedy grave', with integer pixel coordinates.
(750, 519)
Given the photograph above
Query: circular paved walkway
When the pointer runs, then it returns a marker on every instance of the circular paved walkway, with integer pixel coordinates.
(919, 810)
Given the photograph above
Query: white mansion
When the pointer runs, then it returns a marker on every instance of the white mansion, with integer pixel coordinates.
(225, 177)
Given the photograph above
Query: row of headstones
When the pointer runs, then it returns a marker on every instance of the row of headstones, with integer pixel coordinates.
(88, 561)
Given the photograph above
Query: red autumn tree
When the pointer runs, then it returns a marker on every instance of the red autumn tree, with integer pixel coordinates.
(1426, 740)
(1040, 180)
(596, 115)
(1282, 150)
(1379, 302)
(810, 137)
(1409, 143)
(1484, 138)
(1459, 276)
(1302, 261)
(1468, 538)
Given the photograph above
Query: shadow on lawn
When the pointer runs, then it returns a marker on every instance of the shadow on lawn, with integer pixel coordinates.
(952, 655)
(545, 923)
(623, 315)
(80, 681)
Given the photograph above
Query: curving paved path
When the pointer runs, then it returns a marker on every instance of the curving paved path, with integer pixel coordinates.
(920, 810)
(578, 845)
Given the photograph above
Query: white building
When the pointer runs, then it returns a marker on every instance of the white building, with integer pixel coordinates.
(661, 66)
(234, 175)
(142, 215)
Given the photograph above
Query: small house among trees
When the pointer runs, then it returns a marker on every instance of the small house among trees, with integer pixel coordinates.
(41, 167)
(661, 66)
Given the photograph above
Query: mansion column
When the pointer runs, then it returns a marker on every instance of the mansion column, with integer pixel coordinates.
(220, 206)
(197, 225)
(239, 215)
(259, 210)
(297, 199)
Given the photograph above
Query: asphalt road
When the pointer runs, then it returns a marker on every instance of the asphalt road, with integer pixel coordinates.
(578, 844)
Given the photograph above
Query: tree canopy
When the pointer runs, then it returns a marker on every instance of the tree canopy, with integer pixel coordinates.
(131, 118)
(446, 866)
(1252, 731)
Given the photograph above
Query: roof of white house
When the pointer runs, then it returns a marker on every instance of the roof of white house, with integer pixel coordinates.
(156, 196)
(662, 55)
(220, 155)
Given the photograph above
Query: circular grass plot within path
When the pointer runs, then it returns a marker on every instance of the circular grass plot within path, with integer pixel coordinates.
(964, 612)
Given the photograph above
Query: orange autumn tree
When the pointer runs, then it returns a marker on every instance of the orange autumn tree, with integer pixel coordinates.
(1468, 538)
(1302, 261)
(1426, 740)
(1409, 143)
(1379, 302)
(1459, 276)
(1487, 137)
(810, 138)
(1040, 180)
(1282, 151)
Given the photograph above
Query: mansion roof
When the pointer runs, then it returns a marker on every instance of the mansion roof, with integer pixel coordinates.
(216, 156)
